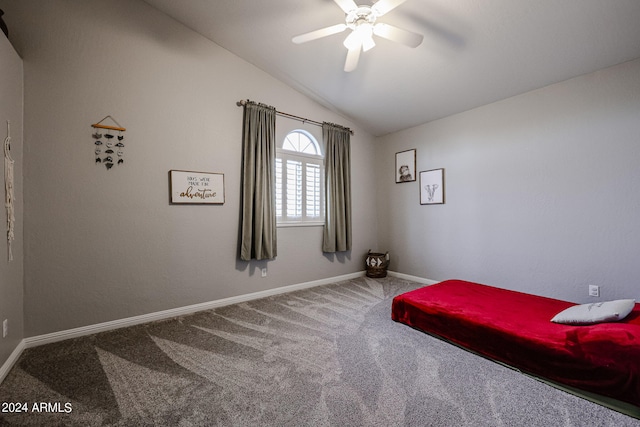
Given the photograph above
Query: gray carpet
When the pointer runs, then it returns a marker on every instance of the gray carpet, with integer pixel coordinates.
(327, 356)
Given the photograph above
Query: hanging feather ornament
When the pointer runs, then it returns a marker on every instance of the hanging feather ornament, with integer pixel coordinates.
(109, 147)
(120, 146)
(8, 190)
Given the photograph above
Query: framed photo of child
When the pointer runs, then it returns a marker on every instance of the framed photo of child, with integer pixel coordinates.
(406, 166)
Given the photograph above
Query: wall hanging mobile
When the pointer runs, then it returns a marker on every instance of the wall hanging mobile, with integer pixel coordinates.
(8, 189)
(109, 147)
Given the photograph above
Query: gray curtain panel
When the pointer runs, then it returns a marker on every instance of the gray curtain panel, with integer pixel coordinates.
(337, 225)
(258, 234)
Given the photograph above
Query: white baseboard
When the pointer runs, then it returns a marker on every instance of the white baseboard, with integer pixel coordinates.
(159, 315)
(412, 278)
(180, 311)
(13, 358)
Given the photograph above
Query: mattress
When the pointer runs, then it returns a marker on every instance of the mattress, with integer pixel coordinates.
(515, 328)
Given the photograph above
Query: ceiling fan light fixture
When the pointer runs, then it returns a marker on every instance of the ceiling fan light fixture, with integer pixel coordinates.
(368, 44)
(362, 35)
(361, 20)
(351, 41)
(365, 33)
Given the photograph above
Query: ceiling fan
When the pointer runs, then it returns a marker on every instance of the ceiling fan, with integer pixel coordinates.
(361, 20)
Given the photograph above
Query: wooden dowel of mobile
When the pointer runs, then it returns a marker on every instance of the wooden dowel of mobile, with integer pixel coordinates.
(97, 125)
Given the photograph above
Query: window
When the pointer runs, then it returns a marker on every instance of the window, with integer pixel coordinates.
(299, 180)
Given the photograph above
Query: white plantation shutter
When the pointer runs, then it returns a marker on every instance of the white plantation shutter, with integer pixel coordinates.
(294, 189)
(299, 180)
(314, 187)
(279, 189)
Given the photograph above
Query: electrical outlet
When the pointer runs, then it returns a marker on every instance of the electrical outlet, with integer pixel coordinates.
(264, 272)
(594, 291)
(5, 328)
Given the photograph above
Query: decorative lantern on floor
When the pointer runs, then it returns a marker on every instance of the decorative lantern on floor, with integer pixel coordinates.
(377, 264)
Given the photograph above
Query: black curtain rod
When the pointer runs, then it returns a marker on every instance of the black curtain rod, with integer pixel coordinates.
(291, 116)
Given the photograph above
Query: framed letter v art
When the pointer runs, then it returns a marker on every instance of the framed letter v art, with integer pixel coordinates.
(432, 187)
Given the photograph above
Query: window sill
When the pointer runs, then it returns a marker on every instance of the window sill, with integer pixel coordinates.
(299, 224)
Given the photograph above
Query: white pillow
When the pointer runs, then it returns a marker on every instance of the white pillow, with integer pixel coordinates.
(596, 312)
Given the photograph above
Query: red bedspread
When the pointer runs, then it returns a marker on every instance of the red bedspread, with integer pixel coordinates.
(515, 328)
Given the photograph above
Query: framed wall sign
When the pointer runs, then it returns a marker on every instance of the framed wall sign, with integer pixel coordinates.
(204, 188)
(432, 187)
(406, 166)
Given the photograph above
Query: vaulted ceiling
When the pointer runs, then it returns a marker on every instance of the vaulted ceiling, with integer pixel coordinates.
(474, 52)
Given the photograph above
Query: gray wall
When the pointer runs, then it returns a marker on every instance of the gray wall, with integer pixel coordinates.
(540, 187)
(541, 191)
(11, 273)
(105, 244)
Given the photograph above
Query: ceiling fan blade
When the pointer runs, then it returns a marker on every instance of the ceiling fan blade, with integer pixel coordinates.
(398, 35)
(384, 6)
(323, 32)
(346, 5)
(353, 55)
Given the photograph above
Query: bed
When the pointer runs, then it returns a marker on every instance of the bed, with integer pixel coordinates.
(514, 328)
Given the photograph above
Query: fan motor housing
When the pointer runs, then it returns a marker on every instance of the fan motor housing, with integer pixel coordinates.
(359, 16)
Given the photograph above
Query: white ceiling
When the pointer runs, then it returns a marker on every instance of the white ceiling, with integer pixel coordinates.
(474, 52)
